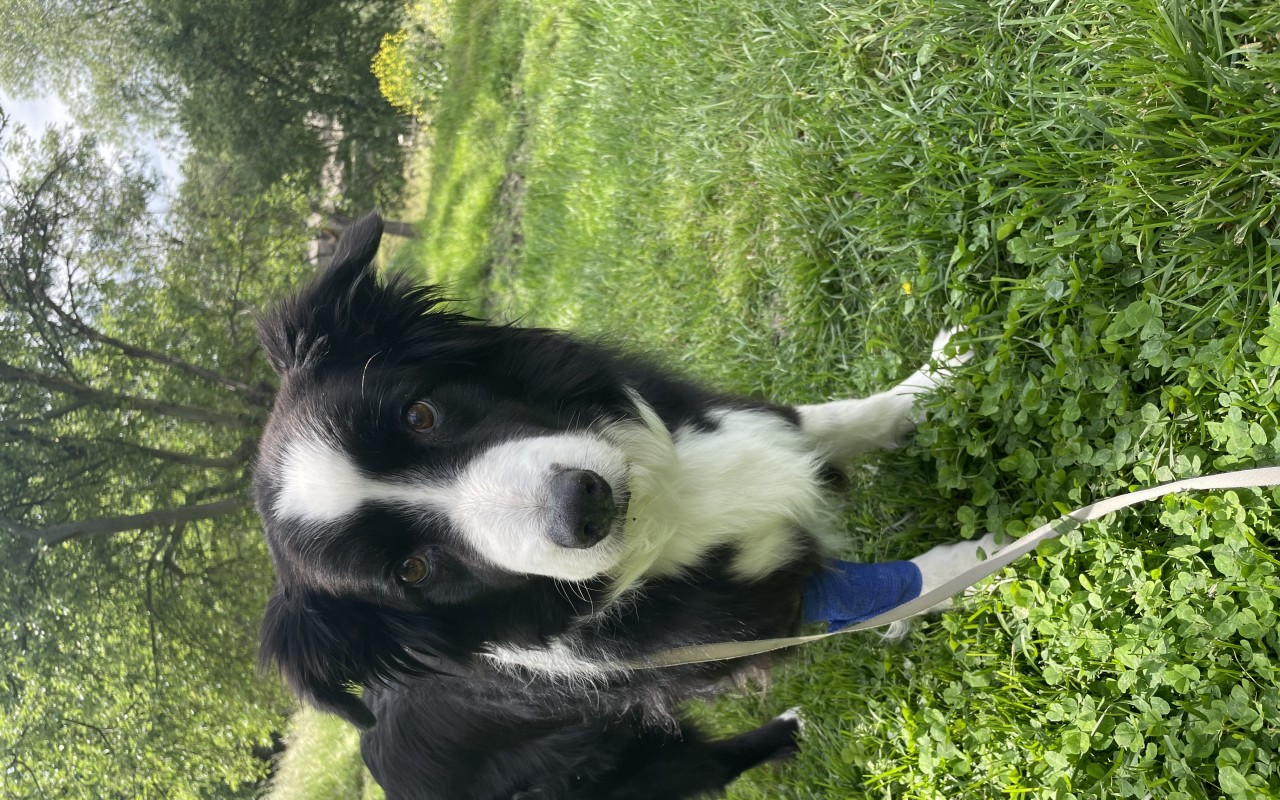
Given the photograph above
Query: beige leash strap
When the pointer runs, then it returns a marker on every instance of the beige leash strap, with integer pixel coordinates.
(1261, 477)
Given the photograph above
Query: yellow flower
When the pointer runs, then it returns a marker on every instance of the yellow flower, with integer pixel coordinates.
(906, 287)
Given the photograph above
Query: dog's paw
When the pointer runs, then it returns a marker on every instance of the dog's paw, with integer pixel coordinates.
(946, 561)
(793, 715)
(943, 361)
(944, 358)
(784, 732)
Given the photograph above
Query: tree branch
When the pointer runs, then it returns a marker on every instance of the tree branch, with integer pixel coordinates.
(38, 223)
(253, 394)
(12, 374)
(78, 446)
(82, 529)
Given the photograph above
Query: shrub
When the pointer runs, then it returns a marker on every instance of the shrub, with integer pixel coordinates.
(409, 64)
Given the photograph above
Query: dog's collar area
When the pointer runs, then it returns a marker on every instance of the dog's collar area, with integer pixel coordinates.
(844, 592)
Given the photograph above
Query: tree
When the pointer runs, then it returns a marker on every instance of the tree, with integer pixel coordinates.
(87, 52)
(74, 270)
(284, 86)
(131, 392)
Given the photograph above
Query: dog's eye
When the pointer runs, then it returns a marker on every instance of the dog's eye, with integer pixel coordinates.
(420, 416)
(413, 570)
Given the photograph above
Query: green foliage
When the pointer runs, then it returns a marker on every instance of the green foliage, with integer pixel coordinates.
(475, 134)
(409, 65)
(131, 386)
(85, 52)
(791, 197)
(283, 87)
(284, 97)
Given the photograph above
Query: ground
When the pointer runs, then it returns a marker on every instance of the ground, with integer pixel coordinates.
(789, 198)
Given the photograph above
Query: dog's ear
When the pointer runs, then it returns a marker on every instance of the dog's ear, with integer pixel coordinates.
(322, 649)
(343, 302)
(351, 271)
(326, 647)
(298, 332)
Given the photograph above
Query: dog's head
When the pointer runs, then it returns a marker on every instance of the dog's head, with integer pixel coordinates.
(426, 480)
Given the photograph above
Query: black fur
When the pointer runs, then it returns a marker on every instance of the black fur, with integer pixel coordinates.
(440, 720)
(466, 742)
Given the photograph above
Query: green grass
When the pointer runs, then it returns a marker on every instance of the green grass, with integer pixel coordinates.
(789, 198)
(321, 760)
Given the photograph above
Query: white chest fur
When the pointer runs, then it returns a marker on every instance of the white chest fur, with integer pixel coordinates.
(753, 482)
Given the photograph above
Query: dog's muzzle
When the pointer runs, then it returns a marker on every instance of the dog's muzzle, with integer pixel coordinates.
(583, 508)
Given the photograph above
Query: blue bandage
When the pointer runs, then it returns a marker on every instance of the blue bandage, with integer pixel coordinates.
(842, 592)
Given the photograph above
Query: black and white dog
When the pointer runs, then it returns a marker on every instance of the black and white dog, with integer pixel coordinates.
(484, 527)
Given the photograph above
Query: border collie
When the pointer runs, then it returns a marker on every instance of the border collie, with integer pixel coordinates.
(484, 527)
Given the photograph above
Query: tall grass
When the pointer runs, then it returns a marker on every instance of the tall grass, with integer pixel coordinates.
(789, 197)
(321, 760)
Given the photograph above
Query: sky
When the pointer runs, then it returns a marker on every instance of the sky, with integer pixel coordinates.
(36, 115)
(163, 156)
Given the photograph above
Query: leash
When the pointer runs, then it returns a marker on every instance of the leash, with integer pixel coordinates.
(1259, 478)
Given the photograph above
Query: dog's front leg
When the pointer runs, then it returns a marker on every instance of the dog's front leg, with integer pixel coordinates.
(843, 429)
(946, 561)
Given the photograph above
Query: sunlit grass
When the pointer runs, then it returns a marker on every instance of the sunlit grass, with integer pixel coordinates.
(321, 761)
(791, 197)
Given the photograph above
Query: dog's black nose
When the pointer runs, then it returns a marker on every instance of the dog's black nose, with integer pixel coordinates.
(583, 504)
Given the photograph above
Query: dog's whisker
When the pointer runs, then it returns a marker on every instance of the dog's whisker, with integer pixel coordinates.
(364, 372)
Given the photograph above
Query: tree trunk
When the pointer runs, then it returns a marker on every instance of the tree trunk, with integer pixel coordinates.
(395, 227)
(78, 447)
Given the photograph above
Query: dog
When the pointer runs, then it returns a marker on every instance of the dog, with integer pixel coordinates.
(487, 527)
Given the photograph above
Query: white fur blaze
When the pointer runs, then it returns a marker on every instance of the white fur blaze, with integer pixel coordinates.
(501, 504)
